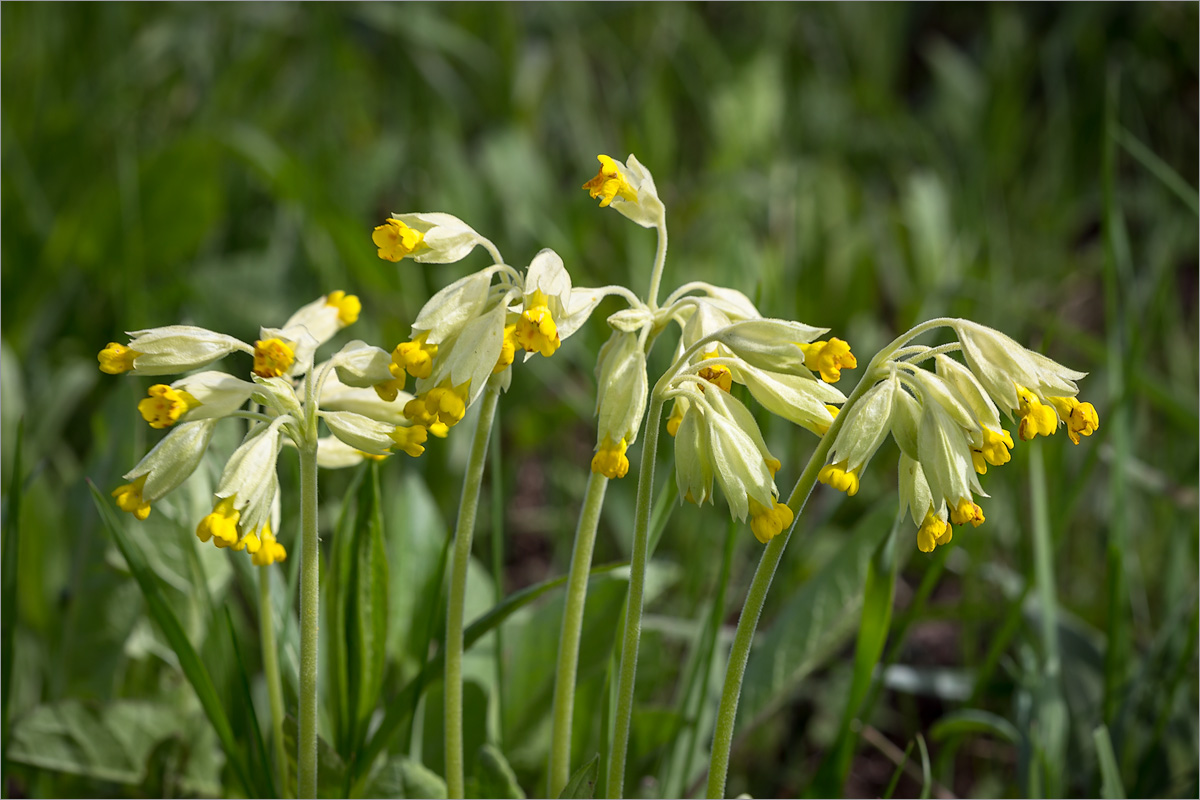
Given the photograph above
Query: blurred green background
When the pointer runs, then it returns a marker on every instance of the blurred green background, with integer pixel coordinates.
(861, 167)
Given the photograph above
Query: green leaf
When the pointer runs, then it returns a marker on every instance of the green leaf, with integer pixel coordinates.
(402, 777)
(189, 662)
(973, 721)
(108, 742)
(9, 553)
(336, 585)
(494, 777)
(813, 623)
(366, 609)
(583, 782)
(926, 771)
(245, 704)
(873, 628)
(331, 770)
(1111, 787)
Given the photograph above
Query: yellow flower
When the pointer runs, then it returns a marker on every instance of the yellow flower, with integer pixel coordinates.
(1035, 417)
(273, 358)
(837, 476)
(508, 349)
(438, 409)
(536, 331)
(933, 531)
(129, 498)
(967, 511)
(994, 450)
(117, 358)
(767, 523)
(828, 358)
(610, 460)
(415, 357)
(1081, 418)
(716, 374)
(165, 406)
(610, 183)
(221, 524)
(396, 240)
(409, 438)
(270, 551)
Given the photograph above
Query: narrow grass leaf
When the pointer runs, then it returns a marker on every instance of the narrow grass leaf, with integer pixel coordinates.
(1159, 169)
(926, 772)
(259, 753)
(9, 553)
(189, 662)
(891, 787)
(971, 721)
(1111, 787)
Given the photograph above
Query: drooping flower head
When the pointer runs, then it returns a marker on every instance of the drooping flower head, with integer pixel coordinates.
(947, 425)
(359, 419)
(716, 436)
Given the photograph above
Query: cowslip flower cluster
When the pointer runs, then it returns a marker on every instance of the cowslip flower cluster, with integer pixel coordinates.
(246, 504)
(723, 340)
(716, 435)
(946, 422)
(472, 329)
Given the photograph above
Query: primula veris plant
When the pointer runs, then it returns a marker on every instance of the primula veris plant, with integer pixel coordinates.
(461, 351)
(285, 398)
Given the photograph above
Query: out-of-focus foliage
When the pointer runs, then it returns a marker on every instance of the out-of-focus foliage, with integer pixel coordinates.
(856, 166)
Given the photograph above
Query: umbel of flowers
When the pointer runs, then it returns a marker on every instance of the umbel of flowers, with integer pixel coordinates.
(245, 511)
(946, 421)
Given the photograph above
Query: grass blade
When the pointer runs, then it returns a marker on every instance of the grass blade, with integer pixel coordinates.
(891, 787)
(246, 701)
(8, 592)
(926, 772)
(1159, 169)
(1111, 787)
(193, 668)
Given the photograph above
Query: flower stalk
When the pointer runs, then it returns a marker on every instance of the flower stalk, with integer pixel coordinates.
(463, 533)
(270, 657)
(310, 593)
(632, 635)
(572, 625)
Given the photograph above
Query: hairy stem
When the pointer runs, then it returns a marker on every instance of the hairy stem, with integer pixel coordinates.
(310, 576)
(572, 625)
(463, 533)
(743, 638)
(633, 617)
(270, 657)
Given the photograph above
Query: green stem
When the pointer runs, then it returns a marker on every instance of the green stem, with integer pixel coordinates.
(660, 258)
(270, 657)
(463, 533)
(718, 767)
(572, 626)
(310, 575)
(633, 618)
